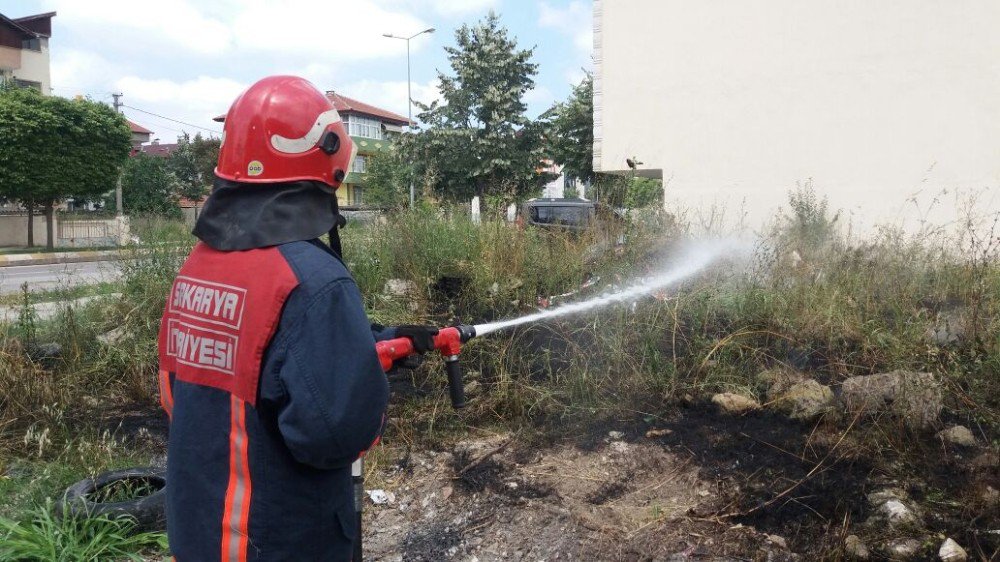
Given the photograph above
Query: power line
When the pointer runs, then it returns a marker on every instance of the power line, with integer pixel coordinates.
(172, 119)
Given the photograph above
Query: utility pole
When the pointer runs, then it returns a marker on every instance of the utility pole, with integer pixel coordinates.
(409, 95)
(118, 185)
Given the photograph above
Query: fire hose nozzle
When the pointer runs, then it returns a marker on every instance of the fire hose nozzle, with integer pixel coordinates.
(448, 341)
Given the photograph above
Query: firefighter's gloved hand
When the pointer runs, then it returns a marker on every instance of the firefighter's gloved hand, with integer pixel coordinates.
(421, 336)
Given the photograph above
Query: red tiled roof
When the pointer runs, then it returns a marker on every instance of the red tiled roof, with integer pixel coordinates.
(136, 128)
(344, 104)
(347, 105)
(161, 150)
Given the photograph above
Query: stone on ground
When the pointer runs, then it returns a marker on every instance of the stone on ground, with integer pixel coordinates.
(903, 549)
(806, 401)
(950, 551)
(958, 435)
(855, 548)
(893, 508)
(775, 382)
(914, 398)
(731, 403)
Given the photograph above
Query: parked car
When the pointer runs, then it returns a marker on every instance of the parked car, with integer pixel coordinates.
(569, 214)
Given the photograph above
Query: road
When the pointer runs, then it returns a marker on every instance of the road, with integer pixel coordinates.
(57, 275)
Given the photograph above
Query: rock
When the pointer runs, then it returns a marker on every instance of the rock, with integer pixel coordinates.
(951, 552)
(616, 435)
(958, 435)
(400, 288)
(775, 382)
(949, 327)
(735, 404)
(112, 337)
(778, 541)
(898, 515)
(903, 549)
(855, 548)
(807, 400)
(915, 398)
(892, 507)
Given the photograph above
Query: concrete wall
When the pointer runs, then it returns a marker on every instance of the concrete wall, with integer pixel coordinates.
(14, 230)
(891, 107)
(10, 58)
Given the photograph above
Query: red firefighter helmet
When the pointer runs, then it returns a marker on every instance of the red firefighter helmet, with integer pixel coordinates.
(283, 129)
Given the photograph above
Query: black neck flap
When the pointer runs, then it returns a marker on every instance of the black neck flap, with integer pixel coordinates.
(243, 216)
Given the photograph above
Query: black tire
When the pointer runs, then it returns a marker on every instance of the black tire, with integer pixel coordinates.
(148, 511)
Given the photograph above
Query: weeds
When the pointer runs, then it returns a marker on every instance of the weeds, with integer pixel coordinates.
(813, 302)
(42, 536)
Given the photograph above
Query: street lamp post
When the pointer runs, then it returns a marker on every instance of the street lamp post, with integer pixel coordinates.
(409, 95)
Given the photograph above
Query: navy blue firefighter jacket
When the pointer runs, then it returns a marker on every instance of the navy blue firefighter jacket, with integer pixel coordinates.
(269, 373)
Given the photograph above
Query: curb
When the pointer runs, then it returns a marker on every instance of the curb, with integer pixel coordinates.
(11, 260)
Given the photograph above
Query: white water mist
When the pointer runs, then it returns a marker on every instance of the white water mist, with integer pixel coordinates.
(694, 258)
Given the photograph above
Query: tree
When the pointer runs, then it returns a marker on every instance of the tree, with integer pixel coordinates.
(387, 177)
(54, 147)
(477, 138)
(570, 131)
(643, 192)
(149, 187)
(193, 165)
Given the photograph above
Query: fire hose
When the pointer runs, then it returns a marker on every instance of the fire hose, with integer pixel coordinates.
(448, 342)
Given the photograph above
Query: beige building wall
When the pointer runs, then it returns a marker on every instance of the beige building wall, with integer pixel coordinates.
(891, 107)
(35, 67)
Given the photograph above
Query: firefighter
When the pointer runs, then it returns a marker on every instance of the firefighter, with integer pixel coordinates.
(268, 369)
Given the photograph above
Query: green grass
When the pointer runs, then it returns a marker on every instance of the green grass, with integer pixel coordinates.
(42, 536)
(60, 293)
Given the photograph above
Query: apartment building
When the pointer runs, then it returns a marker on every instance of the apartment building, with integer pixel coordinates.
(24, 50)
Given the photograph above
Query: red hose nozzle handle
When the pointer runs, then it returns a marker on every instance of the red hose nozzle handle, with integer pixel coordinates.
(448, 341)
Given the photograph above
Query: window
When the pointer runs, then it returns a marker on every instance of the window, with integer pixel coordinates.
(28, 84)
(33, 44)
(358, 126)
(359, 164)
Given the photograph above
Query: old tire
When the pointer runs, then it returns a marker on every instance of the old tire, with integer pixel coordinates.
(149, 511)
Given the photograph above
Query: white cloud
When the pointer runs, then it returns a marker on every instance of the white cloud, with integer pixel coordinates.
(339, 31)
(336, 31)
(175, 22)
(541, 96)
(195, 101)
(461, 7)
(575, 20)
(80, 73)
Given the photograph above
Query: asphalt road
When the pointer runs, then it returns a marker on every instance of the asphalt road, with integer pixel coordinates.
(57, 275)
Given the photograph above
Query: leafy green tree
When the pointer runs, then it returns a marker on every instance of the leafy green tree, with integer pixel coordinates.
(149, 187)
(643, 192)
(193, 165)
(387, 177)
(570, 131)
(478, 139)
(54, 148)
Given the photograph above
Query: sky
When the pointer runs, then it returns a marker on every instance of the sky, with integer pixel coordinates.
(188, 59)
